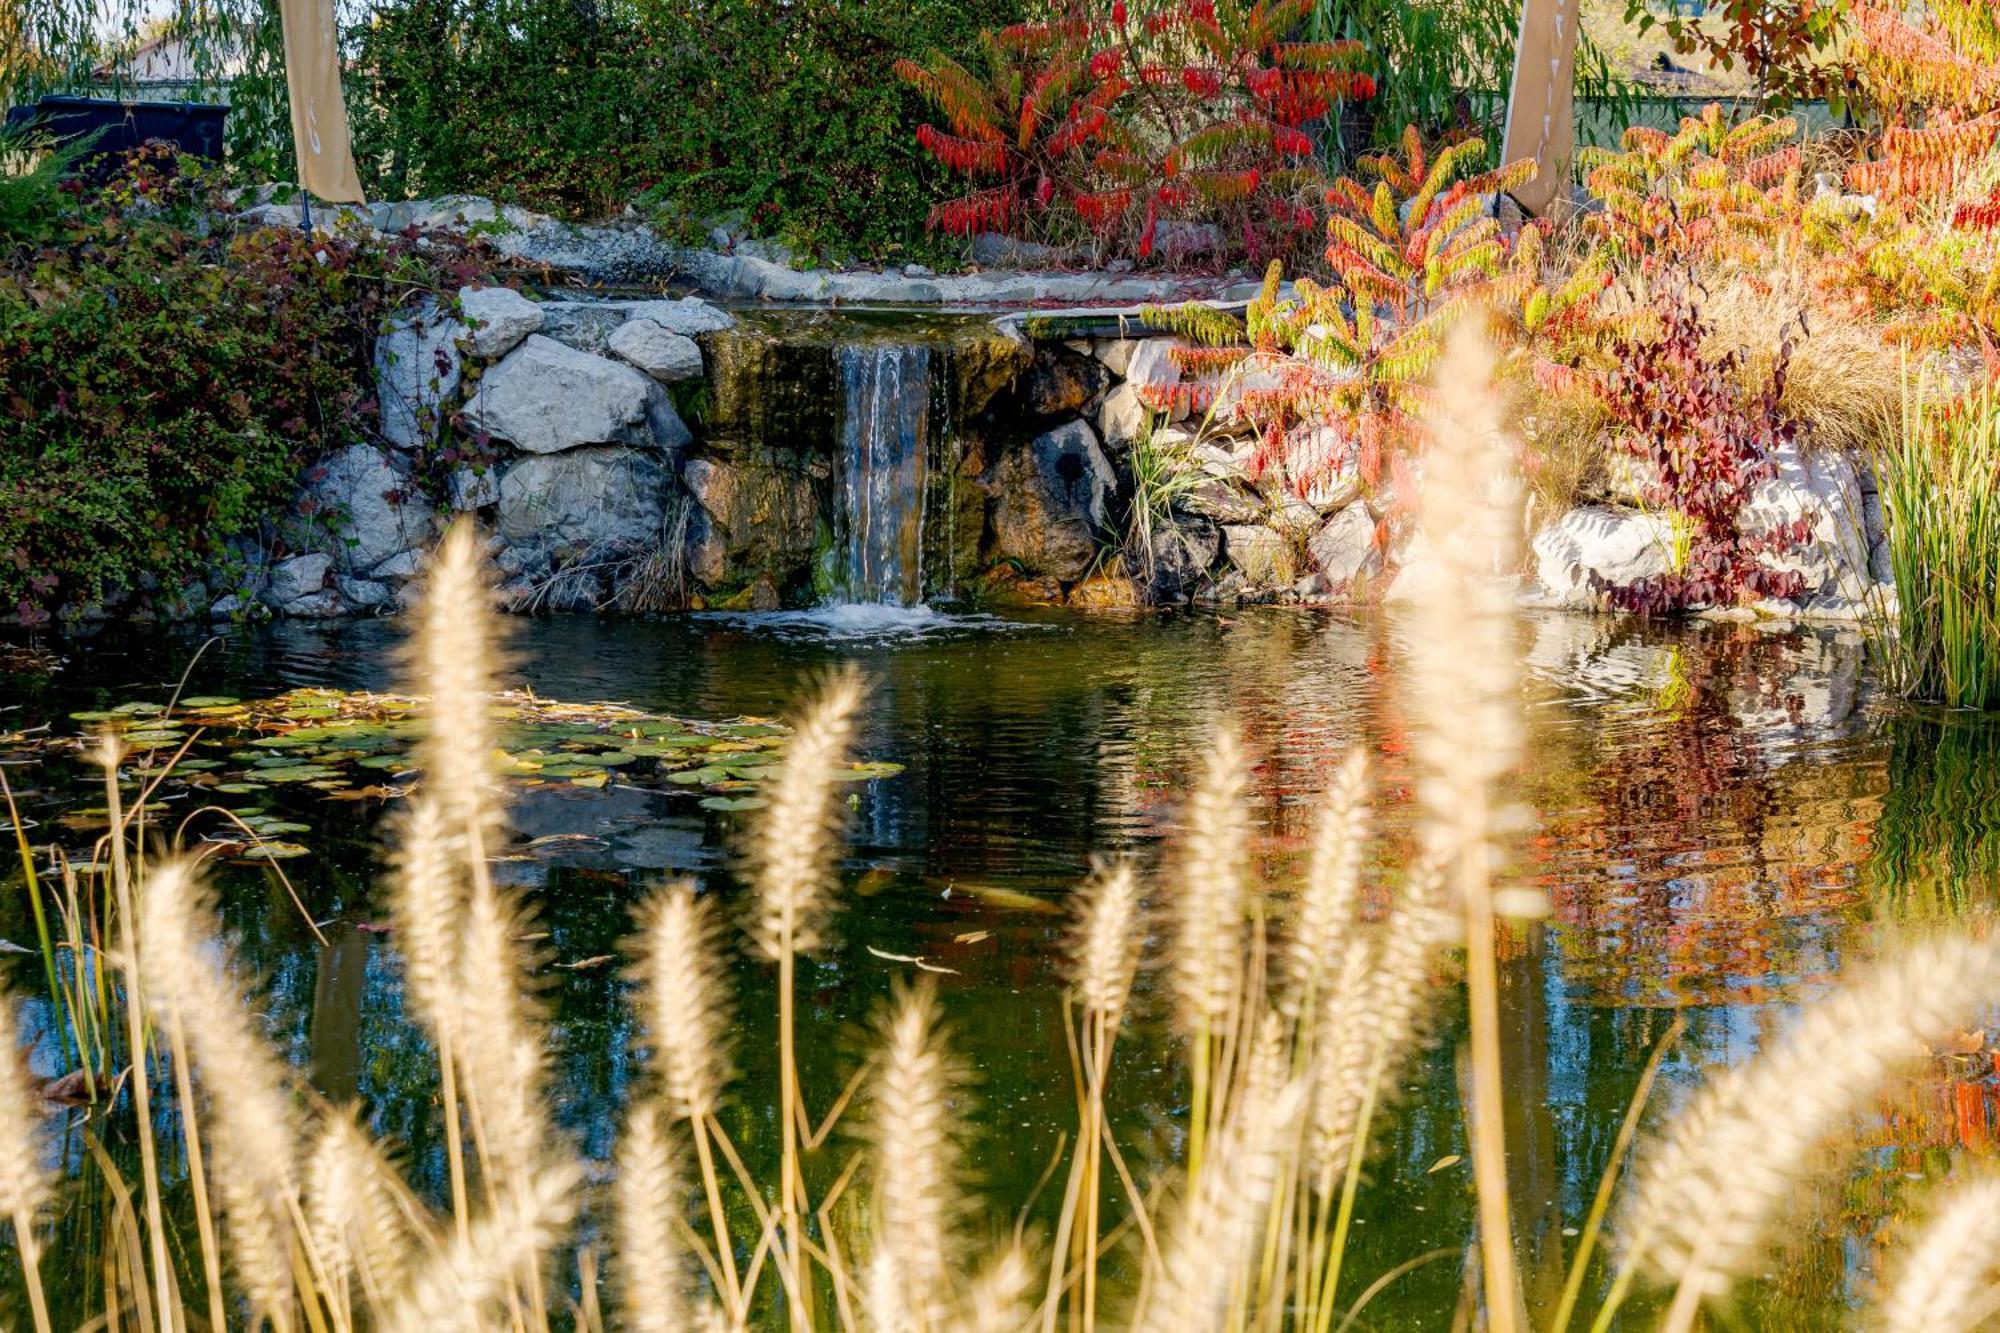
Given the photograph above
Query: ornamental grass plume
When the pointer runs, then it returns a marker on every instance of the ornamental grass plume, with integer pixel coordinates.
(1206, 964)
(358, 1212)
(251, 1117)
(1324, 918)
(1702, 1202)
(460, 1287)
(1209, 1249)
(1106, 934)
(646, 1198)
(24, 1184)
(1466, 668)
(1949, 1276)
(453, 654)
(915, 1155)
(682, 989)
(791, 858)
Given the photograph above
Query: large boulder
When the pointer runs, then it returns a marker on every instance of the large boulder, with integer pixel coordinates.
(1592, 546)
(601, 500)
(496, 320)
(545, 398)
(667, 357)
(1263, 556)
(1824, 490)
(1062, 383)
(417, 372)
(360, 506)
(299, 577)
(751, 519)
(1344, 549)
(1053, 496)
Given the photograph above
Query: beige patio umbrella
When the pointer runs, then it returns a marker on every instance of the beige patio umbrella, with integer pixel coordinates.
(1541, 109)
(319, 114)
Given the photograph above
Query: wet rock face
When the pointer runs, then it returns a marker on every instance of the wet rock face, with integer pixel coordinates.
(1060, 381)
(752, 519)
(1052, 499)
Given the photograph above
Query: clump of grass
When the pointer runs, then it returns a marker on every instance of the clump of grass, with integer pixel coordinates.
(1940, 484)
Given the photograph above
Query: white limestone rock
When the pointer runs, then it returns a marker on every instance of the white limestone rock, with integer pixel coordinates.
(667, 357)
(496, 320)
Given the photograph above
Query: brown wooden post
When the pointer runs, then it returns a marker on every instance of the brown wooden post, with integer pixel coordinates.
(1541, 105)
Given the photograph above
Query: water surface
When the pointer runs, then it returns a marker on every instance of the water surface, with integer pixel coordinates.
(1724, 818)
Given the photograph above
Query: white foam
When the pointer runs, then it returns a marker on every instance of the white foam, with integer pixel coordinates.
(866, 620)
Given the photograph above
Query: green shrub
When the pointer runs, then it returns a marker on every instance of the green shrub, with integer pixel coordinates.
(160, 390)
(1940, 484)
(789, 114)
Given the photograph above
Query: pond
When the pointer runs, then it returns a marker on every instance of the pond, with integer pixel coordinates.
(1724, 817)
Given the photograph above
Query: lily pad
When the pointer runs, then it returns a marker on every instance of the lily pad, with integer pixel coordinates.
(275, 851)
(732, 803)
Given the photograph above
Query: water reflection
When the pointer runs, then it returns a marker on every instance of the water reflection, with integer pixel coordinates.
(1723, 813)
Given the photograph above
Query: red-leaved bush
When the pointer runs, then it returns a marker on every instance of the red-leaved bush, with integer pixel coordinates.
(1704, 444)
(1182, 131)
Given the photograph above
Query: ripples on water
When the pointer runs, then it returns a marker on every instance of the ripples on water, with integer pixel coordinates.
(1724, 816)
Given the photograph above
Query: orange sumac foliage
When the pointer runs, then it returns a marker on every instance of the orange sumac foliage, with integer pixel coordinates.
(1332, 376)
(1710, 190)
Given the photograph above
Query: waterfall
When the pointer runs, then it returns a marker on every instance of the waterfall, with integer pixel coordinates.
(885, 405)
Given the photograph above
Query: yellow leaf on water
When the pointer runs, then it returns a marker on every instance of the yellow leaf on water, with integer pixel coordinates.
(971, 937)
(1449, 1159)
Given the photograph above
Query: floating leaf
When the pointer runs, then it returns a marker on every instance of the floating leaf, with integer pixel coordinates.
(732, 803)
(275, 851)
(596, 779)
(239, 788)
(206, 701)
(1448, 1160)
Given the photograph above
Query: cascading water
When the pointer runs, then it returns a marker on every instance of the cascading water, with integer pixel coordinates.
(885, 410)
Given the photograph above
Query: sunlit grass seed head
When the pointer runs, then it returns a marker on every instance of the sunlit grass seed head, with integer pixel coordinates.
(646, 1198)
(684, 997)
(1206, 962)
(1105, 940)
(454, 657)
(1324, 914)
(1704, 1200)
(915, 1141)
(792, 853)
(251, 1116)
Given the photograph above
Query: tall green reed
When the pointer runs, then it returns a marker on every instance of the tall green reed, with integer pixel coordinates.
(1940, 486)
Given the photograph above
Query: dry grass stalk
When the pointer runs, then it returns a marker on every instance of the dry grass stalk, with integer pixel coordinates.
(1703, 1201)
(652, 1297)
(1326, 904)
(459, 1288)
(1945, 1281)
(252, 1119)
(914, 1139)
(358, 1211)
(1467, 670)
(24, 1184)
(1211, 1246)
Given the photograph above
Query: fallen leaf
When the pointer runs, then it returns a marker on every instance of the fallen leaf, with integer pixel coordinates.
(598, 960)
(971, 937)
(1449, 1159)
